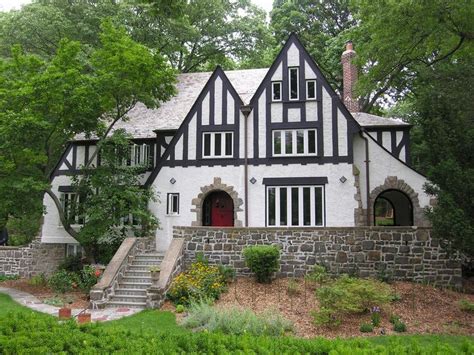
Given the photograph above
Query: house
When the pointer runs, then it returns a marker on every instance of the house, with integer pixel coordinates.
(273, 147)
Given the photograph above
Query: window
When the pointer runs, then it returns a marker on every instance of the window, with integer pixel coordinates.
(73, 250)
(311, 89)
(217, 144)
(139, 155)
(73, 210)
(276, 91)
(293, 83)
(295, 206)
(173, 204)
(294, 142)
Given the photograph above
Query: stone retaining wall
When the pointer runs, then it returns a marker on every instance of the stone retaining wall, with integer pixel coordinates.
(35, 258)
(403, 253)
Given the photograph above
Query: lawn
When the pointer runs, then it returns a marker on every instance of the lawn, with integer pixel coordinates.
(23, 330)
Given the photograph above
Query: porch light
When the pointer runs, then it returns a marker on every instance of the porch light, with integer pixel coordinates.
(173, 180)
(342, 179)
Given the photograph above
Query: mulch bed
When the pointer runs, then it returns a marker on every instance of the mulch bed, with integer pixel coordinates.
(75, 299)
(425, 309)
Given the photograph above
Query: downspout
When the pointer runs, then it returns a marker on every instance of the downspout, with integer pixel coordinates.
(246, 112)
(367, 175)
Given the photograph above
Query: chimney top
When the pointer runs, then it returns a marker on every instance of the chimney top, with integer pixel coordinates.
(349, 74)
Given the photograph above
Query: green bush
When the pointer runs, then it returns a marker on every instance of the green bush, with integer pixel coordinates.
(180, 308)
(394, 319)
(227, 272)
(38, 280)
(318, 274)
(375, 319)
(400, 327)
(72, 263)
(89, 277)
(64, 281)
(235, 321)
(366, 328)
(466, 306)
(395, 297)
(263, 260)
(350, 295)
(8, 277)
(199, 282)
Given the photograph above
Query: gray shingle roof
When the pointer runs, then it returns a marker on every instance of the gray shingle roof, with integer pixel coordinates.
(143, 122)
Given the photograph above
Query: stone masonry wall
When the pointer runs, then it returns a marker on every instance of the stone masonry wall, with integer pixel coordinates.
(35, 258)
(404, 253)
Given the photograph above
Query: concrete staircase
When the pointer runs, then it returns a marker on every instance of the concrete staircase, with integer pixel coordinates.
(131, 290)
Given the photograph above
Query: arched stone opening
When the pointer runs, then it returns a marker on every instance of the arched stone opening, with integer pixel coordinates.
(392, 183)
(393, 208)
(199, 201)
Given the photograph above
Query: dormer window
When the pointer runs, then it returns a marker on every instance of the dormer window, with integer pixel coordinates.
(293, 83)
(311, 89)
(276, 91)
(217, 144)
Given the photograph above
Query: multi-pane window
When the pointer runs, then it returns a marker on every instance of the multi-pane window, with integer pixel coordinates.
(72, 207)
(311, 89)
(140, 154)
(172, 207)
(73, 250)
(293, 83)
(217, 144)
(294, 142)
(295, 206)
(276, 91)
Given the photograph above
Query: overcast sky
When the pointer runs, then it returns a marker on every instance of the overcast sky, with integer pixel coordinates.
(6, 5)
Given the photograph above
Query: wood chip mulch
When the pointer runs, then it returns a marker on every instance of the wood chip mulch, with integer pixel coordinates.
(75, 299)
(424, 309)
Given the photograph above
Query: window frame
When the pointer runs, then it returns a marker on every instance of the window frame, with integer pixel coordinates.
(307, 90)
(170, 204)
(279, 83)
(297, 83)
(300, 211)
(294, 142)
(79, 220)
(212, 141)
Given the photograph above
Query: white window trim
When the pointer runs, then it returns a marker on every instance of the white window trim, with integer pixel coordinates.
(300, 206)
(297, 83)
(223, 145)
(281, 94)
(144, 151)
(307, 91)
(170, 204)
(294, 141)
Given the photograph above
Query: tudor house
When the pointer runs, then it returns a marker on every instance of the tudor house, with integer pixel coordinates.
(274, 147)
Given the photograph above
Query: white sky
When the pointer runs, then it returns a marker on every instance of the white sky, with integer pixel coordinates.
(6, 5)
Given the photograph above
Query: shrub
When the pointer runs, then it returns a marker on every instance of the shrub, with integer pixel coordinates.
(399, 327)
(38, 280)
(72, 263)
(89, 277)
(318, 274)
(326, 317)
(395, 297)
(180, 308)
(375, 318)
(63, 281)
(235, 321)
(394, 319)
(227, 272)
(292, 288)
(466, 306)
(200, 281)
(8, 277)
(350, 295)
(366, 328)
(263, 260)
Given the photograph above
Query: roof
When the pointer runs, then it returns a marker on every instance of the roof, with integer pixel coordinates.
(369, 120)
(143, 122)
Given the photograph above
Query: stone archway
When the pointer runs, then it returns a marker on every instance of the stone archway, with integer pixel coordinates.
(217, 185)
(393, 183)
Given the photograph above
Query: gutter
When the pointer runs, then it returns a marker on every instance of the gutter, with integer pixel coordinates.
(246, 109)
(367, 174)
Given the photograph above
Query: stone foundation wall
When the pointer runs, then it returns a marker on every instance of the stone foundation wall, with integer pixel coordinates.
(403, 253)
(33, 259)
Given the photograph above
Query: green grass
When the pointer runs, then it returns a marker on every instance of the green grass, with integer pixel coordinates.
(455, 341)
(7, 305)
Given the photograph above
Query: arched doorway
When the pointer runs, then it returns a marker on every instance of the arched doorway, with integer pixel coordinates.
(218, 210)
(393, 208)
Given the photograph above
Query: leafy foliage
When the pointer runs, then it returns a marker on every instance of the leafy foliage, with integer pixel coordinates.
(63, 281)
(263, 260)
(235, 321)
(318, 274)
(366, 328)
(466, 306)
(38, 280)
(347, 295)
(8, 277)
(400, 327)
(201, 281)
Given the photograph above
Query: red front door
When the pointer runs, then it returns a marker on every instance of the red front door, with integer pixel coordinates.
(221, 209)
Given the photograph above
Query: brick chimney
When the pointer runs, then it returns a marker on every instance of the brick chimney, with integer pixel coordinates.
(349, 74)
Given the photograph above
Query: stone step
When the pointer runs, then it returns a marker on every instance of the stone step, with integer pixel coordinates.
(120, 304)
(130, 292)
(138, 268)
(145, 262)
(143, 273)
(151, 255)
(135, 285)
(129, 298)
(136, 279)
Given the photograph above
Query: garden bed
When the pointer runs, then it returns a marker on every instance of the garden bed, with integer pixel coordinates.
(425, 309)
(73, 299)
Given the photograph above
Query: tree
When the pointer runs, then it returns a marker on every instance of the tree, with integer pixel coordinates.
(111, 204)
(51, 101)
